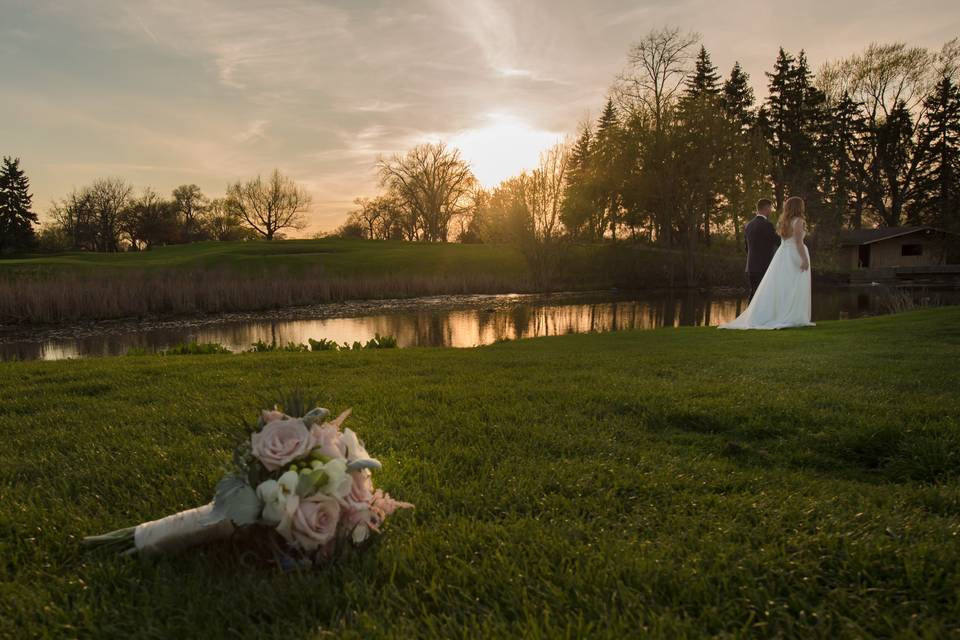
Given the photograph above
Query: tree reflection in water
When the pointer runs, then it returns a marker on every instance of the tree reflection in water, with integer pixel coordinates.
(507, 317)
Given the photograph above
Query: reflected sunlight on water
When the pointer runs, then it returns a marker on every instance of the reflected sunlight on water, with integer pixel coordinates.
(505, 317)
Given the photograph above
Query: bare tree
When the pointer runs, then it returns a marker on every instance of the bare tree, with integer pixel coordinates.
(656, 69)
(149, 220)
(74, 215)
(268, 206)
(367, 215)
(190, 202)
(108, 199)
(222, 223)
(948, 60)
(378, 216)
(433, 182)
(545, 192)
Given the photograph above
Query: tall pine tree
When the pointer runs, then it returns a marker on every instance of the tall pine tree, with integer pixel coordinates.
(746, 160)
(578, 199)
(738, 99)
(16, 218)
(607, 154)
(704, 81)
(938, 198)
(795, 118)
(775, 119)
(701, 113)
(843, 185)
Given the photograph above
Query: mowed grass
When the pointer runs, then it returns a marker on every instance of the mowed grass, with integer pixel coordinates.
(672, 483)
(603, 262)
(336, 256)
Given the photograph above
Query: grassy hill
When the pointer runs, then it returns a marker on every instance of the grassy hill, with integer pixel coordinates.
(669, 483)
(336, 256)
(211, 277)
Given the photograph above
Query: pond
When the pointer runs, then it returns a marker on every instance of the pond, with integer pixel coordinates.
(455, 321)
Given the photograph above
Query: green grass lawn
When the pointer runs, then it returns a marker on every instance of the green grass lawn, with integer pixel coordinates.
(335, 255)
(672, 483)
(364, 258)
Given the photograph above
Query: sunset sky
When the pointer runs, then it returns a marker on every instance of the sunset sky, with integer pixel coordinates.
(211, 91)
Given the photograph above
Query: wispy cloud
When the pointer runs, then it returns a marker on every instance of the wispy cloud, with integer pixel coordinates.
(253, 131)
(213, 91)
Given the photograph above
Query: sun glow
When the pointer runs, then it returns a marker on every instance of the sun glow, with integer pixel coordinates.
(503, 148)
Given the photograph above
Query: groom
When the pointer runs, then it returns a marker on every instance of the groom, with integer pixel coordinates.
(762, 242)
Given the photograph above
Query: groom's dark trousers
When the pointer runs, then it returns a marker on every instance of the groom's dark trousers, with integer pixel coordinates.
(762, 242)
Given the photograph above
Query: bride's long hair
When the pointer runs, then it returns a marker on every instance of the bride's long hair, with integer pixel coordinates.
(793, 208)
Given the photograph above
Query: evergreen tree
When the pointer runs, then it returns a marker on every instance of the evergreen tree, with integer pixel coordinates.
(578, 194)
(609, 176)
(796, 120)
(704, 80)
(775, 119)
(16, 218)
(807, 124)
(894, 150)
(745, 158)
(843, 185)
(938, 198)
(738, 99)
(701, 116)
(638, 211)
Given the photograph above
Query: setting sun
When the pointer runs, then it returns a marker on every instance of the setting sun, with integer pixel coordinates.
(504, 147)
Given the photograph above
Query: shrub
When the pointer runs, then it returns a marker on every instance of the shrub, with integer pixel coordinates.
(262, 347)
(182, 349)
(323, 345)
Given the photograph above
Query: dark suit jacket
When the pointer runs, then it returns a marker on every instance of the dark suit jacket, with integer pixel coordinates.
(762, 243)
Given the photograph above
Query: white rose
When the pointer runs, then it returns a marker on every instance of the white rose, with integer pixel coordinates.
(275, 494)
(339, 482)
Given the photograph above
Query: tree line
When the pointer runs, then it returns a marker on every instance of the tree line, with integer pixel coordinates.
(677, 158)
(679, 155)
(109, 215)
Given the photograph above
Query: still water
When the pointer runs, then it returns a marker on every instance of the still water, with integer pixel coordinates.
(457, 321)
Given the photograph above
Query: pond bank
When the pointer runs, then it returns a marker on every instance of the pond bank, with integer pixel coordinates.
(214, 278)
(458, 321)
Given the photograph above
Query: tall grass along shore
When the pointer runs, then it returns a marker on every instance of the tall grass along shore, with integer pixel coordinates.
(248, 276)
(671, 483)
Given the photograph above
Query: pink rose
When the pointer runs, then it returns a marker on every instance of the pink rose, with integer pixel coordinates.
(327, 439)
(314, 523)
(281, 442)
(362, 489)
(383, 504)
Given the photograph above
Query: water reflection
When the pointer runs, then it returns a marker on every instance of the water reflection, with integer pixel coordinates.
(501, 317)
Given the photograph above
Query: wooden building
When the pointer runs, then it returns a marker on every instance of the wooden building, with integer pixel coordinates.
(894, 247)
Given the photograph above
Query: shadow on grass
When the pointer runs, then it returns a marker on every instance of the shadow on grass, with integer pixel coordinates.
(871, 452)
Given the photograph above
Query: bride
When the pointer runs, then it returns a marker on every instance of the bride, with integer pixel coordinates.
(783, 298)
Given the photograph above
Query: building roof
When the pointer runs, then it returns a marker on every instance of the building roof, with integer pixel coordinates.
(869, 236)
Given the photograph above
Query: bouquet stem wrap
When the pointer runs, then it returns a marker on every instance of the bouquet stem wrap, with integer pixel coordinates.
(179, 531)
(167, 535)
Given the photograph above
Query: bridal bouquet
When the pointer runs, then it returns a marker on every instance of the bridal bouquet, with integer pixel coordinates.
(305, 480)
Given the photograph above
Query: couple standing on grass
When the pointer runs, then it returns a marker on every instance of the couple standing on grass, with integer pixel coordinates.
(778, 269)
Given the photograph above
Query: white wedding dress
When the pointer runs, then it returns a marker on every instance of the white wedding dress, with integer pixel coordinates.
(783, 298)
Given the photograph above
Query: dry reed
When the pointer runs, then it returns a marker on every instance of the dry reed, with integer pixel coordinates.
(72, 297)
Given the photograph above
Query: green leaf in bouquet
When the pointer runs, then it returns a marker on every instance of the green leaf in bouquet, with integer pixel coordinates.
(235, 500)
(309, 482)
(315, 415)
